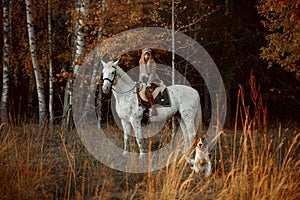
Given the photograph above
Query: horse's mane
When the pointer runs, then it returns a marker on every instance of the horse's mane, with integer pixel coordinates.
(124, 75)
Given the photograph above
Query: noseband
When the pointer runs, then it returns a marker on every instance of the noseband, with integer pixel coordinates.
(111, 81)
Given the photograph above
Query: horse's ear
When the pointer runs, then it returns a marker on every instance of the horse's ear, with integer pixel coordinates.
(103, 63)
(116, 62)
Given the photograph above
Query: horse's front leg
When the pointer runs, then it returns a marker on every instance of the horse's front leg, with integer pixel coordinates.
(126, 130)
(137, 127)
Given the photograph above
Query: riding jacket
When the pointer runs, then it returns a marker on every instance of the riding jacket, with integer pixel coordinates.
(148, 73)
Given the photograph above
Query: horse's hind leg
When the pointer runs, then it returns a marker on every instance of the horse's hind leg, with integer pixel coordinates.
(126, 129)
(189, 123)
(191, 131)
(184, 131)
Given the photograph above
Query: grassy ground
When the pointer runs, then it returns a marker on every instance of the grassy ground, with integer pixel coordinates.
(246, 165)
(253, 160)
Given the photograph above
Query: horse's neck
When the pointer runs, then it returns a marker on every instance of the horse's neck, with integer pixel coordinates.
(123, 82)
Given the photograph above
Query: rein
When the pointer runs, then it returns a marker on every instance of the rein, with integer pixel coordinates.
(113, 80)
(125, 91)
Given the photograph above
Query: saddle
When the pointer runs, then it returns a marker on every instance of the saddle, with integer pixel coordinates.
(160, 94)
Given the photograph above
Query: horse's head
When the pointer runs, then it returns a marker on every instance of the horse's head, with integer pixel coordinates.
(108, 75)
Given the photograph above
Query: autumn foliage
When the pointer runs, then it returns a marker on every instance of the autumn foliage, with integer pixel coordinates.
(282, 19)
(257, 159)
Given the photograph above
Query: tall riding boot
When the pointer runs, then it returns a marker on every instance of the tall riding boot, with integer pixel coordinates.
(152, 103)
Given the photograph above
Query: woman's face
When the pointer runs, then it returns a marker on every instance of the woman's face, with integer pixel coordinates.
(146, 56)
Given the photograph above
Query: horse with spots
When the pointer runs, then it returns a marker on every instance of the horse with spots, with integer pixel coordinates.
(184, 100)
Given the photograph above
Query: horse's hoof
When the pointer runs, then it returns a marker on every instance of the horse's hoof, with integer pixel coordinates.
(125, 153)
(141, 155)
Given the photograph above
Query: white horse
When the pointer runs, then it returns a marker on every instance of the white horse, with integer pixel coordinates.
(184, 100)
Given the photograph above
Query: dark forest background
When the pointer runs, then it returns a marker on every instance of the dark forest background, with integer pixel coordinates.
(255, 45)
(234, 32)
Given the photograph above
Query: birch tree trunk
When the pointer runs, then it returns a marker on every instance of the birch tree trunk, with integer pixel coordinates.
(79, 44)
(51, 115)
(36, 68)
(173, 58)
(6, 48)
(66, 104)
(99, 37)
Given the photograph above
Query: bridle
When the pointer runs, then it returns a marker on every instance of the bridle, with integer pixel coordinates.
(109, 80)
(113, 80)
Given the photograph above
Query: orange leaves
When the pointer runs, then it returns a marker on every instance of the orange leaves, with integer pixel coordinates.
(282, 19)
(62, 76)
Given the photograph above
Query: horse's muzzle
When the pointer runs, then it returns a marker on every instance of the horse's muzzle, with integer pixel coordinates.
(106, 88)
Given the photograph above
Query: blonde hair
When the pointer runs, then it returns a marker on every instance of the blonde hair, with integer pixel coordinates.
(143, 62)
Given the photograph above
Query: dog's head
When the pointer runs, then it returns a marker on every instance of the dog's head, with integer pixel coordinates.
(199, 142)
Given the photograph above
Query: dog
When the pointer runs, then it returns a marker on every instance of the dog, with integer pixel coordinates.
(201, 162)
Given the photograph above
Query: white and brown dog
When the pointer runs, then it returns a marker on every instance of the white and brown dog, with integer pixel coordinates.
(201, 162)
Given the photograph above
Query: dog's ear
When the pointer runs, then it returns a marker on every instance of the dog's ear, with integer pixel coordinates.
(195, 142)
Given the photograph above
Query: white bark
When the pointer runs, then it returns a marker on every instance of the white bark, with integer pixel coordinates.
(36, 68)
(6, 48)
(100, 30)
(99, 97)
(51, 115)
(79, 37)
(79, 44)
(173, 58)
(94, 80)
(66, 104)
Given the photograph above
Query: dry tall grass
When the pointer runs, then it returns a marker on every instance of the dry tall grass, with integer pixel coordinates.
(253, 161)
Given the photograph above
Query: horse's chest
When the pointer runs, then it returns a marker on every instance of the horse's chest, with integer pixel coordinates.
(124, 107)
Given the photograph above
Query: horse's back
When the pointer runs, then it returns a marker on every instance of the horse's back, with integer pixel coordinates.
(185, 97)
(184, 92)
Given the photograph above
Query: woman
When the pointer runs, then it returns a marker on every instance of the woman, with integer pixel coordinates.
(148, 75)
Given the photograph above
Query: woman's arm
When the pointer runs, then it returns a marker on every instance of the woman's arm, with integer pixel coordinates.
(152, 74)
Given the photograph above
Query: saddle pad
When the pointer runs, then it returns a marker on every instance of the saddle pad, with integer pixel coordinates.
(160, 95)
(157, 90)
